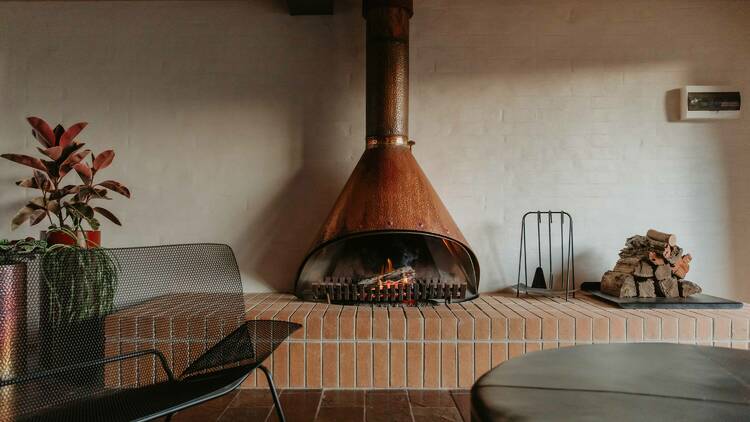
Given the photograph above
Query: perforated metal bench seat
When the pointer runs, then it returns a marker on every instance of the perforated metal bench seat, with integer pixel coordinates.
(149, 402)
(131, 334)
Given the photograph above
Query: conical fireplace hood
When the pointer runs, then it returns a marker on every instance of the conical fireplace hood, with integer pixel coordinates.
(388, 192)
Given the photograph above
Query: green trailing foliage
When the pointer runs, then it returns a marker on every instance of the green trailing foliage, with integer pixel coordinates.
(15, 251)
(80, 283)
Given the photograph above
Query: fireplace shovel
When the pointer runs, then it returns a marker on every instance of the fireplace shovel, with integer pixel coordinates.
(539, 282)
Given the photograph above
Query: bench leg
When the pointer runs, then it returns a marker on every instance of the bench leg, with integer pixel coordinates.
(275, 396)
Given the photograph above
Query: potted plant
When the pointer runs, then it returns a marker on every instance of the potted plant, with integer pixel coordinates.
(66, 206)
(13, 271)
(78, 278)
(77, 293)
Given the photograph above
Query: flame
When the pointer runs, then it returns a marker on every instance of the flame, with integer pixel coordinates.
(388, 284)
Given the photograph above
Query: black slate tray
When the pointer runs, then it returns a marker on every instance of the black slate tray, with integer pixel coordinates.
(699, 301)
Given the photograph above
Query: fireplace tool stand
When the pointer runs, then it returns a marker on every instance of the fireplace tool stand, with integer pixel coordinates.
(541, 285)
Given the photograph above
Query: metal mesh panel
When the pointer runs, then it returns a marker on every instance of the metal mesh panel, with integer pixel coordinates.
(87, 328)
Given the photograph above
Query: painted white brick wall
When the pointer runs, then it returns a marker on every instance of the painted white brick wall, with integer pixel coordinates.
(234, 122)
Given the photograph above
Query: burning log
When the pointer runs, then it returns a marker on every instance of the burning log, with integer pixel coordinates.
(402, 273)
(618, 284)
(649, 266)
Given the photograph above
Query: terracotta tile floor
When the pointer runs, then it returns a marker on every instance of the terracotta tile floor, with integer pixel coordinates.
(335, 405)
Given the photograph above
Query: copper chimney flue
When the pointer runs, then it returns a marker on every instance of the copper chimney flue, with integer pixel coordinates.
(388, 206)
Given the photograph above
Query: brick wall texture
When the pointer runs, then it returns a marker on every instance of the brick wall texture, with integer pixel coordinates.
(429, 347)
(237, 123)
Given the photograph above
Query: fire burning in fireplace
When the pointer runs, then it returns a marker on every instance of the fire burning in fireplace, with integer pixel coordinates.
(390, 282)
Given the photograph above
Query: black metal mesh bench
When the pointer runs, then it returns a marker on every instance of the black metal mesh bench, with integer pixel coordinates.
(128, 334)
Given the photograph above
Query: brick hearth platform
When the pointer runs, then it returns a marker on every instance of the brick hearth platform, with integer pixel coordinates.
(440, 347)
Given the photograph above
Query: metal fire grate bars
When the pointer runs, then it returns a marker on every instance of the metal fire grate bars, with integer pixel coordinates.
(346, 290)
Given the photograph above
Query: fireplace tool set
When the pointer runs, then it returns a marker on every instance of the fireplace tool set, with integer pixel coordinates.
(547, 222)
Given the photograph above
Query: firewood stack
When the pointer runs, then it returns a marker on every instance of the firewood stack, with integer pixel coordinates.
(650, 266)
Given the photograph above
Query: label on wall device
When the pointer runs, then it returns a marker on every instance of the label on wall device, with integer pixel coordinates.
(710, 102)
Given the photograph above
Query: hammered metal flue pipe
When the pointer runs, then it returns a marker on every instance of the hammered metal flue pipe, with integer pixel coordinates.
(387, 72)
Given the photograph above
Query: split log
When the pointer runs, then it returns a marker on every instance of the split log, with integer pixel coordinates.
(618, 284)
(627, 265)
(688, 288)
(646, 288)
(681, 267)
(669, 287)
(644, 269)
(400, 273)
(667, 238)
(639, 246)
(655, 258)
(663, 272)
(675, 256)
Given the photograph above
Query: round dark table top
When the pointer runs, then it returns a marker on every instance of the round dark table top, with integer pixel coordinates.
(618, 382)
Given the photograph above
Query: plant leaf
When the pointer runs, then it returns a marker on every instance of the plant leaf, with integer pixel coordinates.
(108, 215)
(81, 209)
(60, 193)
(26, 161)
(42, 131)
(72, 160)
(70, 149)
(37, 217)
(53, 153)
(21, 216)
(37, 203)
(103, 160)
(116, 186)
(42, 181)
(101, 193)
(32, 184)
(27, 183)
(84, 171)
(73, 131)
(58, 131)
(53, 206)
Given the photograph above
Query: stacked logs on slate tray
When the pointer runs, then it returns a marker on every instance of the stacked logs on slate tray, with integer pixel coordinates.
(650, 266)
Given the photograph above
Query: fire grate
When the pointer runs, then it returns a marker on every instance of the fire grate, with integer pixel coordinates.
(349, 291)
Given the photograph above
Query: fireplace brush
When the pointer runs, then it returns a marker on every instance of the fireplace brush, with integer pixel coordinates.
(566, 280)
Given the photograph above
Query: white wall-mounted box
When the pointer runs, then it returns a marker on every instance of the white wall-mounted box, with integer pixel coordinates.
(709, 102)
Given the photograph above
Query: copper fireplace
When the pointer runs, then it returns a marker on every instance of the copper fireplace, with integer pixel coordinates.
(388, 238)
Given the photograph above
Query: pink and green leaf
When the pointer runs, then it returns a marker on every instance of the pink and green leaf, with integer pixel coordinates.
(116, 186)
(58, 131)
(42, 131)
(108, 215)
(21, 217)
(72, 160)
(70, 134)
(42, 181)
(53, 153)
(37, 217)
(26, 161)
(84, 171)
(103, 160)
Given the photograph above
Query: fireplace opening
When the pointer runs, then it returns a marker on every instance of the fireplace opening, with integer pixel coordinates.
(389, 267)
